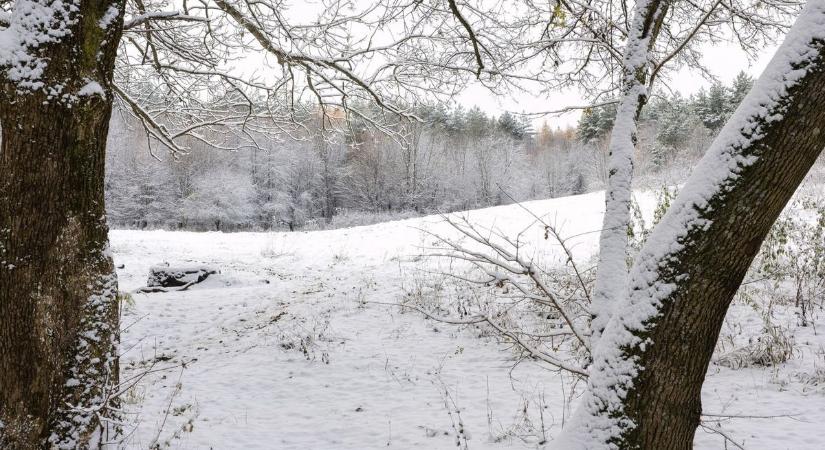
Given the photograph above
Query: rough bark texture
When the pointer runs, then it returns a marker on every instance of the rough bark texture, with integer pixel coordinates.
(58, 305)
(645, 383)
(664, 401)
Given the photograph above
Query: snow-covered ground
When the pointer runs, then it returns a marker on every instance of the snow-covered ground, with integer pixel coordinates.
(290, 348)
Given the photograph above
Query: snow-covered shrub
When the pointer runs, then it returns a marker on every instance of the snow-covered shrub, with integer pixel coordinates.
(306, 335)
(813, 381)
(510, 290)
(786, 280)
(639, 229)
(277, 247)
(773, 346)
(791, 262)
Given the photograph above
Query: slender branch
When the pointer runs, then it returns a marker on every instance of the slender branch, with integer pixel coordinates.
(684, 42)
(153, 128)
(161, 16)
(531, 350)
(471, 33)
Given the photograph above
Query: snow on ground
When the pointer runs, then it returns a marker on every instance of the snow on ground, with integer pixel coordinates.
(290, 348)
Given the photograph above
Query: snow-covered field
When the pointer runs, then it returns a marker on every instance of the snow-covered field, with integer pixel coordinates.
(290, 348)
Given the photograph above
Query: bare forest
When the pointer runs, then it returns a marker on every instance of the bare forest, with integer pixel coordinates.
(455, 159)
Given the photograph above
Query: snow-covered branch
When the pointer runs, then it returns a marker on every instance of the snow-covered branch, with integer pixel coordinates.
(514, 335)
(502, 261)
(611, 278)
(158, 16)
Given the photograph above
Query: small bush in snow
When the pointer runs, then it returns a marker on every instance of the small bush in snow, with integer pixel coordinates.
(792, 258)
(787, 279)
(773, 346)
(812, 381)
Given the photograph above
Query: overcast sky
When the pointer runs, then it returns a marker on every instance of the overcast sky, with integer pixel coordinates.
(725, 62)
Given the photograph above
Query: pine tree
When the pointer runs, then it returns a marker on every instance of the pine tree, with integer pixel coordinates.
(740, 87)
(596, 123)
(674, 120)
(712, 106)
(512, 126)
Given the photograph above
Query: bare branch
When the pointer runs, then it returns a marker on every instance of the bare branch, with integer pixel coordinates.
(472, 36)
(160, 16)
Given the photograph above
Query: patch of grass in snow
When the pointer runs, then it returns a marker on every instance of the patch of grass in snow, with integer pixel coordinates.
(784, 288)
(775, 345)
(277, 247)
(125, 299)
(742, 343)
(340, 256)
(812, 382)
(308, 336)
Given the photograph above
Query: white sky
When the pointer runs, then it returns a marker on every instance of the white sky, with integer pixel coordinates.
(724, 61)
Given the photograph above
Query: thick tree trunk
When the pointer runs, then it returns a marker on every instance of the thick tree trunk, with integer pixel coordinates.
(58, 291)
(644, 390)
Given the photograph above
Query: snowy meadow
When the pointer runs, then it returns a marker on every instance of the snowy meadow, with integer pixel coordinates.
(296, 343)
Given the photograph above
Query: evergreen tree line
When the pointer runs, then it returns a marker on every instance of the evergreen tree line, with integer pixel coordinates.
(454, 159)
(673, 130)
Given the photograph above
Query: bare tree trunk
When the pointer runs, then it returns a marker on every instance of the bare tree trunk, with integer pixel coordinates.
(611, 279)
(644, 390)
(58, 290)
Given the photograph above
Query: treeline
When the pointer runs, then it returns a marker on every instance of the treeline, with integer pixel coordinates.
(673, 130)
(454, 159)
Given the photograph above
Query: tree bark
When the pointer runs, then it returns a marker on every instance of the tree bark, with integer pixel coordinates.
(644, 390)
(58, 291)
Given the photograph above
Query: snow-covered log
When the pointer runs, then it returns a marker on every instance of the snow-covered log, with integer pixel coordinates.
(163, 277)
(166, 276)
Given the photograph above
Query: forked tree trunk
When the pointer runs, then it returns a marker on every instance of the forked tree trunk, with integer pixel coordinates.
(58, 303)
(644, 390)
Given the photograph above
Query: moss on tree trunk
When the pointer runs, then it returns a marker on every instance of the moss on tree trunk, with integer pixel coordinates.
(58, 290)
